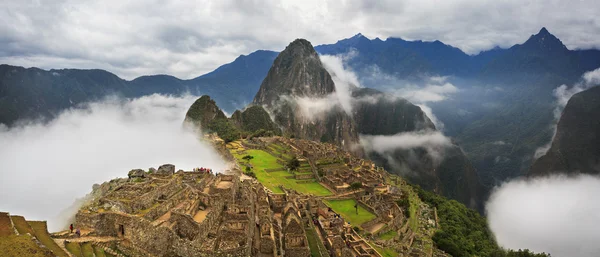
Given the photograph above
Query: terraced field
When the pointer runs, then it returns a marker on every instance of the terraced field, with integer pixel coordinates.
(5, 225)
(264, 161)
(348, 212)
(41, 233)
(22, 245)
(21, 225)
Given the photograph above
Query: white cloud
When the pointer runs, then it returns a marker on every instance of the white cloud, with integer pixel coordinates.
(45, 167)
(563, 94)
(557, 215)
(344, 78)
(433, 141)
(189, 38)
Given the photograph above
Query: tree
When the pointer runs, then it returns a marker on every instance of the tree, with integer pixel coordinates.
(293, 163)
(248, 158)
(355, 186)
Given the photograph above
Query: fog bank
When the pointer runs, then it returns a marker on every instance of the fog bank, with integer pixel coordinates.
(558, 215)
(45, 167)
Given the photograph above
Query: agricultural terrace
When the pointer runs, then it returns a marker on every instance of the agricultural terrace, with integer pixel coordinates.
(348, 212)
(272, 173)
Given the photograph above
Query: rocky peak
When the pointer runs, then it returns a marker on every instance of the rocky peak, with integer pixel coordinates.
(543, 40)
(297, 71)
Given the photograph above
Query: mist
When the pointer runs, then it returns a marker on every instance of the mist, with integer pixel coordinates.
(44, 167)
(556, 215)
(433, 141)
(562, 94)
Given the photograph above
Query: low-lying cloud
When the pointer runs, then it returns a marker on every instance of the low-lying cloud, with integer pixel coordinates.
(556, 215)
(562, 94)
(344, 79)
(433, 141)
(45, 167)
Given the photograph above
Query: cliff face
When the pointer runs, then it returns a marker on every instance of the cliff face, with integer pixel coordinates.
(297, 79)
(576, 146)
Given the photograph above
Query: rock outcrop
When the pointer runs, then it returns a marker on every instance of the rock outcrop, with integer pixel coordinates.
(166, 169)
(137, 173)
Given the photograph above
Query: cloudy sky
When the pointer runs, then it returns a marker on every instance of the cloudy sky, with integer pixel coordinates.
(189, 38)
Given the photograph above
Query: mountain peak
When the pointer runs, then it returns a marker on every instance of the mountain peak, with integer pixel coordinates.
(544, 40)
(297, 71)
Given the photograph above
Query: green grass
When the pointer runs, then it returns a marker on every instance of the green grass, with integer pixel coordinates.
(348, 212)
(99, 252)
(272, 180)
(74, 249)
(41, 233)
(87, 249)
(21, 245)
(414, 201)
(388, 235)
(313, 243)
(21, 225)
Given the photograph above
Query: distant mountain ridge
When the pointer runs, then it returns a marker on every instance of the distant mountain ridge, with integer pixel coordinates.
(32, 92)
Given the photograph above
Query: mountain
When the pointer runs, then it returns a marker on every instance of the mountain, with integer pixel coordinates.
(296, 79)
(253, 119)
(453, 176)
(576, 145)
(29, 93)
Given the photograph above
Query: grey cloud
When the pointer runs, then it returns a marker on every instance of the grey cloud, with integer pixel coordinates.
(189, 38)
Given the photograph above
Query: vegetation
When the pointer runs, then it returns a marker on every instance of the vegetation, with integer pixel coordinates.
(463, 231)
(224, 129)
(388, 235)
(74, 249)
(41, 233)
(21, 225)
(263, 161)
(293, 163)
(356, 186)
(21, 245)
(348, 211)
(87, 249)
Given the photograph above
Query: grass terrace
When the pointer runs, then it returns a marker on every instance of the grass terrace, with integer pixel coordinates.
(41, 233)
(263, 161)
(348, 212)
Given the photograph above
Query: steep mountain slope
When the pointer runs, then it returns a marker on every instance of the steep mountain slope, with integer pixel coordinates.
(576, 146)
(296, 74)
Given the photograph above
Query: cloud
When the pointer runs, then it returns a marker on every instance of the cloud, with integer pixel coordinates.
(190, 38)
(430, 92)
(500, 142)
(344, 79)
(433, 141)
(562, 94)
(45, 167)
(557, 215)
